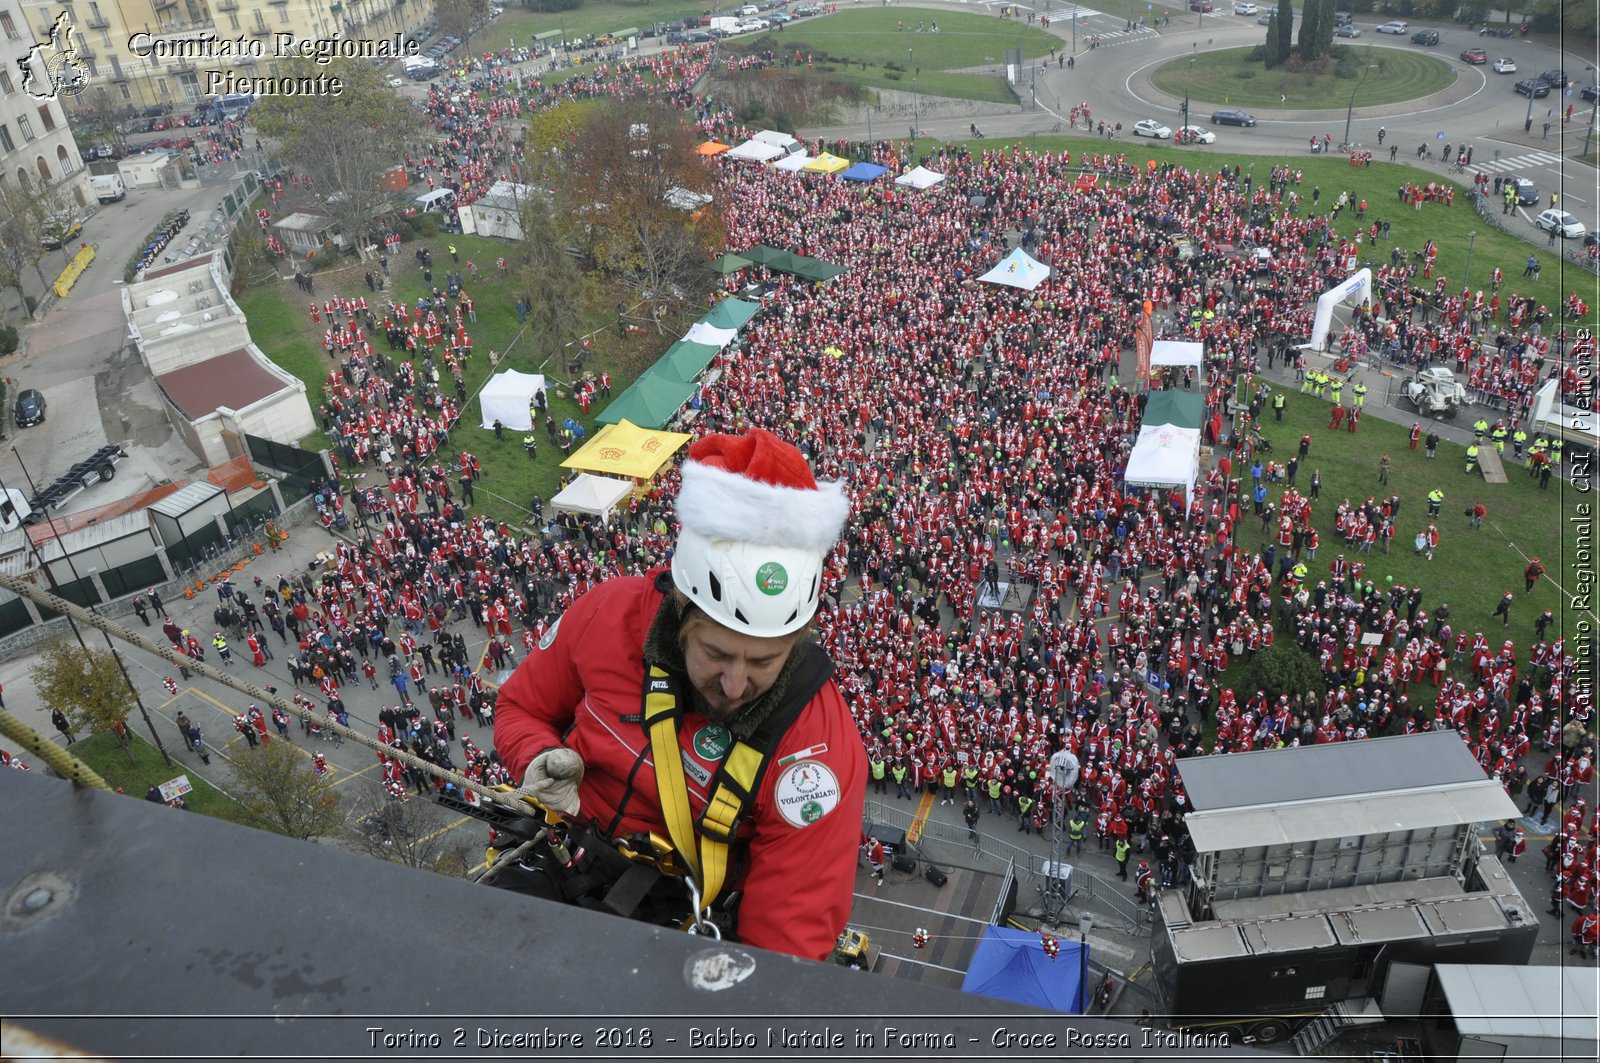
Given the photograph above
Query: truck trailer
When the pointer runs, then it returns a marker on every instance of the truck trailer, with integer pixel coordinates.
(1316, 869)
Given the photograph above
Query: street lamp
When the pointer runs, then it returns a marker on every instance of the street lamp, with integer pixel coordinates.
(1466, 273)
(1188, 82)
(1350, 113)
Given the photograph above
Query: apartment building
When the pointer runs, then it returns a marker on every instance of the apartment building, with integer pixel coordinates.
(35, 142)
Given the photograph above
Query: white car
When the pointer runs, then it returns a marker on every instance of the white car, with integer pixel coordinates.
(394, 81)
(1559, 221)
(1245, 9)
(1149, 127)
(750, 25)
(1505, 66)
(1197, 134)
(1396, 28)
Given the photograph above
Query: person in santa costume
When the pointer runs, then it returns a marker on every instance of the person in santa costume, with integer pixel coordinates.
(721, 638)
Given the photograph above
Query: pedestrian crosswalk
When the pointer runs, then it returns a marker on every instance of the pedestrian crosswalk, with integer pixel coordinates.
(1516, 162)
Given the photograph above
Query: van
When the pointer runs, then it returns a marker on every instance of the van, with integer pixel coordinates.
(439, 200)
(232, 105)
(108, 188)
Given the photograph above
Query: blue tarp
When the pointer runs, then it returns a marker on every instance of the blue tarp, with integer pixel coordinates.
(864, 171)
(1012, 965)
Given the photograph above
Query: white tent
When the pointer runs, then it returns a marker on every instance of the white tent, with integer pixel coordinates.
(1355, 290)
(792, 163)
(700, 332)
(919, 178)
(506, 398)
(777, 140)
(755, 151)
(595, 495)
(1173, 352)
(1018, 270)
(1164, 455)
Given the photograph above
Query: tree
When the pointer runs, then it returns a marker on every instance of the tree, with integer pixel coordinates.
(1270, 49)
(641, 194)
(27, 209)
(86, 686)
(457, 17)
(281, 793)
(344, 143)
(413, 832)
(1285, 22)
(553, 287)
(1282, 668)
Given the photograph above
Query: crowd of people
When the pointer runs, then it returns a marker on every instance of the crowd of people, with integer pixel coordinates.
(997, 457)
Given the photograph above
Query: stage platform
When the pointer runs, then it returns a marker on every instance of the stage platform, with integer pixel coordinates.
(953, 914)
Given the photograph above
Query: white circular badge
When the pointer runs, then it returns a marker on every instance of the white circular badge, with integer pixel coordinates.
(805, 792)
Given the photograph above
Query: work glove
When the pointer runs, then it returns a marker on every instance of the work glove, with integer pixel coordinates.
(552, 779)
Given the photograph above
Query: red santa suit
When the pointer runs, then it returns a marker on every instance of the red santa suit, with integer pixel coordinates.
(583, 688)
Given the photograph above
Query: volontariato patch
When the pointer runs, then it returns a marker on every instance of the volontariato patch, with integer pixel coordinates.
(549, 636)
(805, 792)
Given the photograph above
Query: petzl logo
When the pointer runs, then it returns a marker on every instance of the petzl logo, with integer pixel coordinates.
(54, 68)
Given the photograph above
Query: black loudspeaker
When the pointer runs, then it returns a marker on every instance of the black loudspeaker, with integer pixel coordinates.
(892, 837)
(902, 862)
(935, 876)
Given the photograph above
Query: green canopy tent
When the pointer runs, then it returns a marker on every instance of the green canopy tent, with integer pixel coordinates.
(731, 313)
(1186, 409)
(685, 359)
(761, 254)
(784, 262)
(652, 401)
(729, 263)
(815, 269)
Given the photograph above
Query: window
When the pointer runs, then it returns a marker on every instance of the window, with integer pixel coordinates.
(26, 127)
(127, 93)
(105, 38)
(5, 138)
(162, 88)
(283, 13)
(233, 19)
(5, 83)
(8, 25)
(45, 118)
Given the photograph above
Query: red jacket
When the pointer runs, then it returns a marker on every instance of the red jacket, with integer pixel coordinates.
(582, 689)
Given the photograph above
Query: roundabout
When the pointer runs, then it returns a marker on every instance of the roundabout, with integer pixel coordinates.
(1229, 77)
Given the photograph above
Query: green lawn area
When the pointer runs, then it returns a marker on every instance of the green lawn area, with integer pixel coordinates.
(281, 326)
(1227, 77)
(102, 753)
(864, 47)
(595, 16)
(1472, 568)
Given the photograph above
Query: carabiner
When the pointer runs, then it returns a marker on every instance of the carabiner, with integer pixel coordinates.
(698, 924)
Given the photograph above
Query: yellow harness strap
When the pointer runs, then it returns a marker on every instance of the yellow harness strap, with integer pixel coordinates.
(708, 861)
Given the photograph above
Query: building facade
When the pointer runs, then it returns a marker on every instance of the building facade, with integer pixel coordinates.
(35, 143)
(124, 78)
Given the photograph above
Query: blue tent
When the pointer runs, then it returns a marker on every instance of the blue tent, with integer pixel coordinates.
(1012, 965)
(864, 171)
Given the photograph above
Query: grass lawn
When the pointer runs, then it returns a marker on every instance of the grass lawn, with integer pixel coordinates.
(1378, 184)
(282, 327)
(595, 16)
(1471, 569)
(1227, 77)
(864, 47)
(102, 753)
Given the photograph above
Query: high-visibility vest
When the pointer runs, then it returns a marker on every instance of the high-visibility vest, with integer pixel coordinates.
(899, 772)
(1023, 804)
(994, 789)
(949, 778)
(877, 767)
(1075, 829)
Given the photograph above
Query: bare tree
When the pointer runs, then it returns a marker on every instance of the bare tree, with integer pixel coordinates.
(31, 211)
(277, 787)
(414, 832)
(457, 17)
(344, 143)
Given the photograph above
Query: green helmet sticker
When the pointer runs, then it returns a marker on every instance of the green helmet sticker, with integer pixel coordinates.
(772, 578)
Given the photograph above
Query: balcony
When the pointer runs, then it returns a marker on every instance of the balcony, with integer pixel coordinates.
(98, 22)
(228, 5)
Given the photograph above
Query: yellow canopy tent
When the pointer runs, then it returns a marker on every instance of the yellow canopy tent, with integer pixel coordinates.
(625, 449)
(826, 163)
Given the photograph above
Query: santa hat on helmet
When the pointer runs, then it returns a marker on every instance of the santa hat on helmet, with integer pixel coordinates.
(755, 488)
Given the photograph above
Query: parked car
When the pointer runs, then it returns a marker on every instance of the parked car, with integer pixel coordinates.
(1232, 116)
(1397, 28)
(1203, 6)
(1590, 93)
(1505, 66)
(677, 37)
(1535, 88)
(779, 17)
(1245, 9)
(1559, 221)
(58, 230)
(1266, 19)
(1527, 191)
(1193, 134)
(806, 11)
(1425, 37)
(1556, 77)
(1475, 56)
(29, 409)
(1149, 127)
(1349, 29)
(699, 36)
